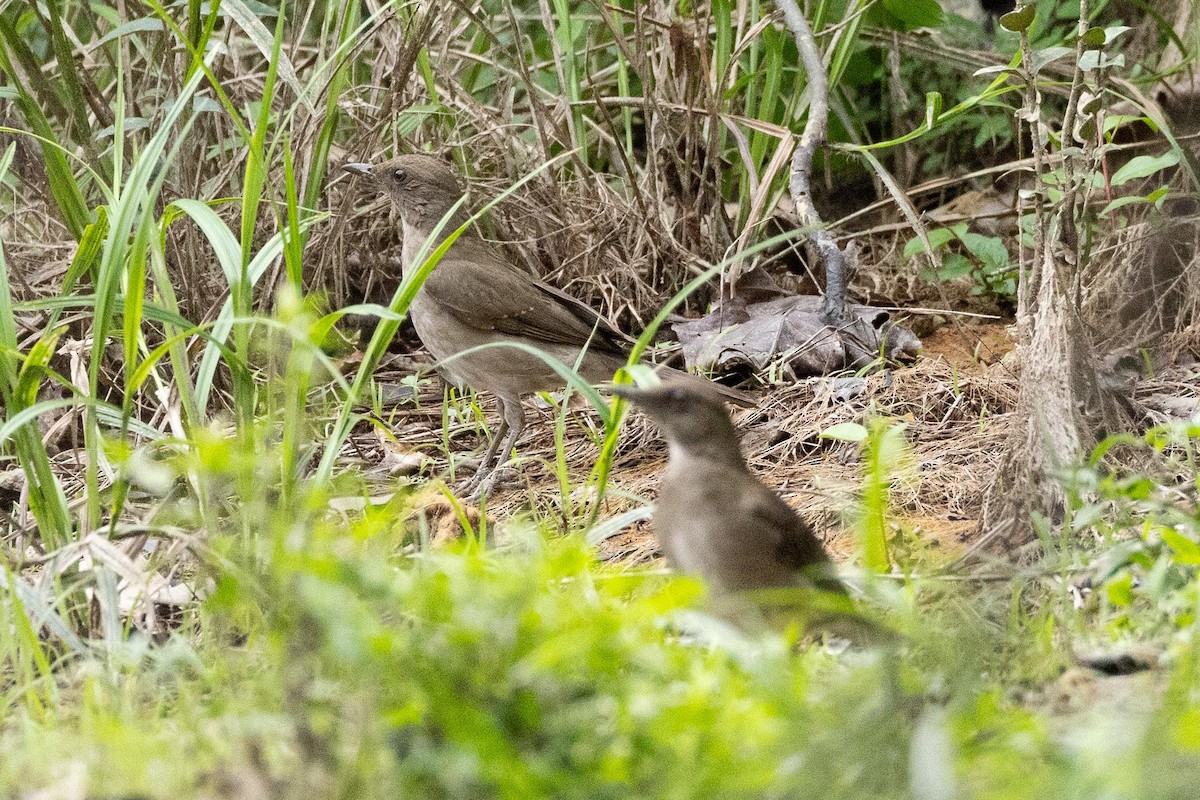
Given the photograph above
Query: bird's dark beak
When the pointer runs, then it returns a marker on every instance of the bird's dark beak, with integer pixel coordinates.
(358, 168)
(629, 392)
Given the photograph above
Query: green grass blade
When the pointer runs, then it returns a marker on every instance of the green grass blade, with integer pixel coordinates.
(46, 498)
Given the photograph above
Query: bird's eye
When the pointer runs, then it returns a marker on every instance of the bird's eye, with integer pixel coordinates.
(400, 175)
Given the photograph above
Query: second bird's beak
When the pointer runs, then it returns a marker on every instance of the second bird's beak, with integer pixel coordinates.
(358, 168)
(630, 392)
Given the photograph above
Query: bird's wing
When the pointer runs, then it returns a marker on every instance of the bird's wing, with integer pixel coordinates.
(790, 537)
(486, 292)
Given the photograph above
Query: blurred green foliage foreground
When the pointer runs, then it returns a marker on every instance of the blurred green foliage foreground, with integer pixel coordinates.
(345, 661)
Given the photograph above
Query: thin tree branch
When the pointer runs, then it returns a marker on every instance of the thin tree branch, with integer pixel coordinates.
(833, 309)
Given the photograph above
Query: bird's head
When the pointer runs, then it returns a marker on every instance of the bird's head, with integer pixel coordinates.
(423, 188)
(691, 417)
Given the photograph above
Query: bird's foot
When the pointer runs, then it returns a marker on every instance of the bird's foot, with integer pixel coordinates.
(481, 484)
(483, 489)
(468, 489)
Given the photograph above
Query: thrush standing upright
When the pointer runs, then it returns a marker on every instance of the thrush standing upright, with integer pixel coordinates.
(475, 296)
(716, 520)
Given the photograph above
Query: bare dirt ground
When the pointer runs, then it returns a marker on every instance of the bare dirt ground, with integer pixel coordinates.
(954, 402)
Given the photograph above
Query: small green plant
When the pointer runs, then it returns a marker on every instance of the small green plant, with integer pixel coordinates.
(965, 254)
(884, 449)
(1148, 569)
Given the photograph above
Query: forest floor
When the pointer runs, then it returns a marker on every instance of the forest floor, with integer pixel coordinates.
(954, 402)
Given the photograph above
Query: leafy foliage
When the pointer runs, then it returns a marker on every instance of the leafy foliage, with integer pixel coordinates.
(984, 259)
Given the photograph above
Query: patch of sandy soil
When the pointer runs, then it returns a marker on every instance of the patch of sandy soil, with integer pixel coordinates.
(969, 344)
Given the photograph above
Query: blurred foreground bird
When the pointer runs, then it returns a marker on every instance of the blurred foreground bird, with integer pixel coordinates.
(475, 296)
(716, 520)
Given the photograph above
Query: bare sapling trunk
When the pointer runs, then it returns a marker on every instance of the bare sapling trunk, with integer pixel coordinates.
(1061, 405)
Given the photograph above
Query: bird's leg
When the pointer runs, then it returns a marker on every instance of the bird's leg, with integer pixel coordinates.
(489, 456)
(514, 421)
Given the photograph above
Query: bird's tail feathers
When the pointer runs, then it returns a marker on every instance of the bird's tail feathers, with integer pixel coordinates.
(819, 611)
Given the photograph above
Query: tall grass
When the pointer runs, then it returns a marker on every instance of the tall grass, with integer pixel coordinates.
(186, 157)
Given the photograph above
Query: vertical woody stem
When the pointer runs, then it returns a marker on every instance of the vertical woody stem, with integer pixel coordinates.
(833, 309)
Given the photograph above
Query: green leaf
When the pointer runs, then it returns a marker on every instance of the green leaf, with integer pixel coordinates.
(1113, 31)
(1120, 590)
(956, 265)
(1144, 166)
(1121, 202)
(989, 250)
(993, 127)
(1019, 20)
(1138, 487)
(1049, 55)
(995, 69)
(1095, 59)
(933, 108)
(145, 24)
(846, 432)
(1095, 37)
(915, 13)
(1187, 551)
(1116, 120)
(1155, 198)
(938, 237)
(1158, 194)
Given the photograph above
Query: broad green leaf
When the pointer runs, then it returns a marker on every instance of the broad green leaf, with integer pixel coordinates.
(1096, 59)
(1090, 103)
(937, 238)
(954, 266)
(1019, 20)
(1144, 167)
(1121, 202)
(915, 13)
(1187, 551)
(1095, 37)
(1113, 122)
(846, 432)
(1158, 194)
(1113, 31)
(989, 250)
(1120, 591)
(1049, 55)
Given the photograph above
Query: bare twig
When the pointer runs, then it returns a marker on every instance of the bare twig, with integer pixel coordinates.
(833, 309)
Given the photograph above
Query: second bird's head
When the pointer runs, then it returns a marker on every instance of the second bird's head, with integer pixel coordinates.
(423, 188)
(692, 418)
